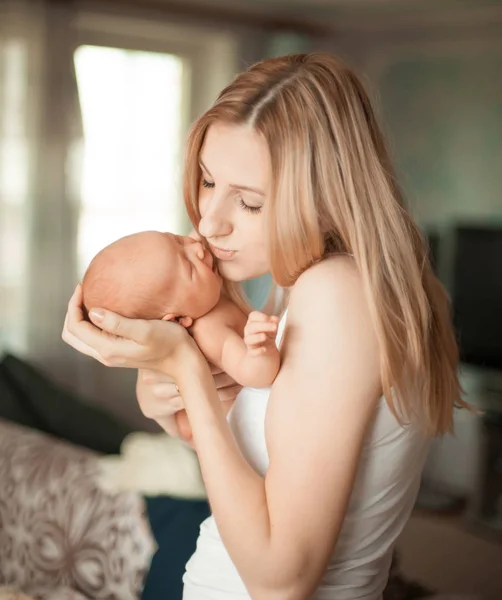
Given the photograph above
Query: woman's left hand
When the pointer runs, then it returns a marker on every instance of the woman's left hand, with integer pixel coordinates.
(116, 341)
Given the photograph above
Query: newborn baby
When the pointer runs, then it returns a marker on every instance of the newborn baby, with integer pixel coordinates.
(154, 275)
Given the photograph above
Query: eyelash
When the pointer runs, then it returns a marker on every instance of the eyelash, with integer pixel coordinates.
(251, 209)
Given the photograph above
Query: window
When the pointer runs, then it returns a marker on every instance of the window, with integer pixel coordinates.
(14, 165)
(132, 112)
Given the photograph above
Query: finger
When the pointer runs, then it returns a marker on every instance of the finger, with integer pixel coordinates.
(117, 339)
(77, 325)
(76, 300)
(116, 325)
(258, 316)
(230, 393)
(75, 343)
(155, 408)
(149, 376)
(167, 393)
(80, 346)
(260, 327)
(215, 370)
(222, 379)
(258, 351)
(104, 347)
(255, 339)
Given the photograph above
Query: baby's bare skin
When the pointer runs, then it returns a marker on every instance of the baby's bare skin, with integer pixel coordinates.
(154, 275)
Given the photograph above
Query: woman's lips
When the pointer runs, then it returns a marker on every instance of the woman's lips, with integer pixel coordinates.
(222, 254)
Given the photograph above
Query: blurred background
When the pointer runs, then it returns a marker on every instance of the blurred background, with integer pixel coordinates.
(95, 102)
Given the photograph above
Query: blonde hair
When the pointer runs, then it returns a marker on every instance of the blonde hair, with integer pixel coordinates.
(334, 191)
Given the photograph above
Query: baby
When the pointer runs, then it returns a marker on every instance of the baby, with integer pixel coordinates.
(154, 275)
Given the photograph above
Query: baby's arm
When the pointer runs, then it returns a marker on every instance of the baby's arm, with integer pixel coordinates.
(222, 335)
(255, 360)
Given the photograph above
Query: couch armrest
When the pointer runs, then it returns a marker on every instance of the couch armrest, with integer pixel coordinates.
(58, 527)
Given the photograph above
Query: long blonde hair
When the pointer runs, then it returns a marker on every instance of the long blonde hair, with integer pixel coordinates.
(334, 191)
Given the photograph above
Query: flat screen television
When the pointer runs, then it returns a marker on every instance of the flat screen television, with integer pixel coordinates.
(477, 295)
(433, 241)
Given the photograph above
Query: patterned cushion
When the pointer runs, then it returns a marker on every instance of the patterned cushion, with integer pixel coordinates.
(59, 529)
(59, 594)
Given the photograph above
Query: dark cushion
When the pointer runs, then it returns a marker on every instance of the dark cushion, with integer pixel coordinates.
(29, 398)
(175, 524)
(13, 404)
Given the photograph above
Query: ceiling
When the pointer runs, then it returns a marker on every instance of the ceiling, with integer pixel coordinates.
(338, 15)
(316, 8)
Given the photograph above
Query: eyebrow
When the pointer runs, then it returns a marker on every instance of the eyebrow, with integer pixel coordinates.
(246, 188)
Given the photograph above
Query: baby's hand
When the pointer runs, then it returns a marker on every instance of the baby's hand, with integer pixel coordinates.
(260, 332)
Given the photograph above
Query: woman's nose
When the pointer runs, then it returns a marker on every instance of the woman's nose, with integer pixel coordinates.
(215, 221)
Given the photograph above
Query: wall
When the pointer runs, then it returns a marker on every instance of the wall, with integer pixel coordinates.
(437, 80)
(114, 389)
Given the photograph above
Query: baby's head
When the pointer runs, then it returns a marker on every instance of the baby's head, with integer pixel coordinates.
(152, 275)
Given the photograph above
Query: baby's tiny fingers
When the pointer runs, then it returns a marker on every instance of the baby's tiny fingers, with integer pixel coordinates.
(255, 339)
(258, 316)
(252, 328)
(258, 351)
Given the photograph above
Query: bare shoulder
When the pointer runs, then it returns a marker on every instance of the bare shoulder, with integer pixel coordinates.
(329, 290)
(321, 406)
(329, 315)
(332, 268)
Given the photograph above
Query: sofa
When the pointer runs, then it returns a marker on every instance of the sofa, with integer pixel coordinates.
(63, 534)
(66, 536)
(59, 530)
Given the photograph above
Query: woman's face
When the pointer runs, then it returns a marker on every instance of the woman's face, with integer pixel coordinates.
(235, 185)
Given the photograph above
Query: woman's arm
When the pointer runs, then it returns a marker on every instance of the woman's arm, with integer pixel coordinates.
(280, 531)
(159, 399)
(152, 386)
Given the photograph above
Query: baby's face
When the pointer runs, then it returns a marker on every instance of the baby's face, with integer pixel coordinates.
(193, 279)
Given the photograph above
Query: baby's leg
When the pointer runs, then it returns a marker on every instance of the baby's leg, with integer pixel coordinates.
(183, 424)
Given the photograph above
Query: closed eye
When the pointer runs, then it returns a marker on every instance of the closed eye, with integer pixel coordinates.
(207, 184)
(250, 209)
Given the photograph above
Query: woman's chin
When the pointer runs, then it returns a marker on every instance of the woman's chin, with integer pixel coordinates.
(237, 273)
(231, 272)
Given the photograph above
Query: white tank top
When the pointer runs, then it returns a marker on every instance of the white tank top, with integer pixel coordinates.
(383, 496)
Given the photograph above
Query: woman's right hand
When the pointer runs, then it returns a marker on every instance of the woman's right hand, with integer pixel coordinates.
(159, 399)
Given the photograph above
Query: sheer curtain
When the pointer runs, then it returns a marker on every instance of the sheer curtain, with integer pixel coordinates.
(40, 142)
(41, 152)
(43, 201)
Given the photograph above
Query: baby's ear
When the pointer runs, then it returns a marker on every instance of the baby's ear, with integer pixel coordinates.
(185, 322)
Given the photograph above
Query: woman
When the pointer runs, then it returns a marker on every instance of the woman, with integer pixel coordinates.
(311, 482)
